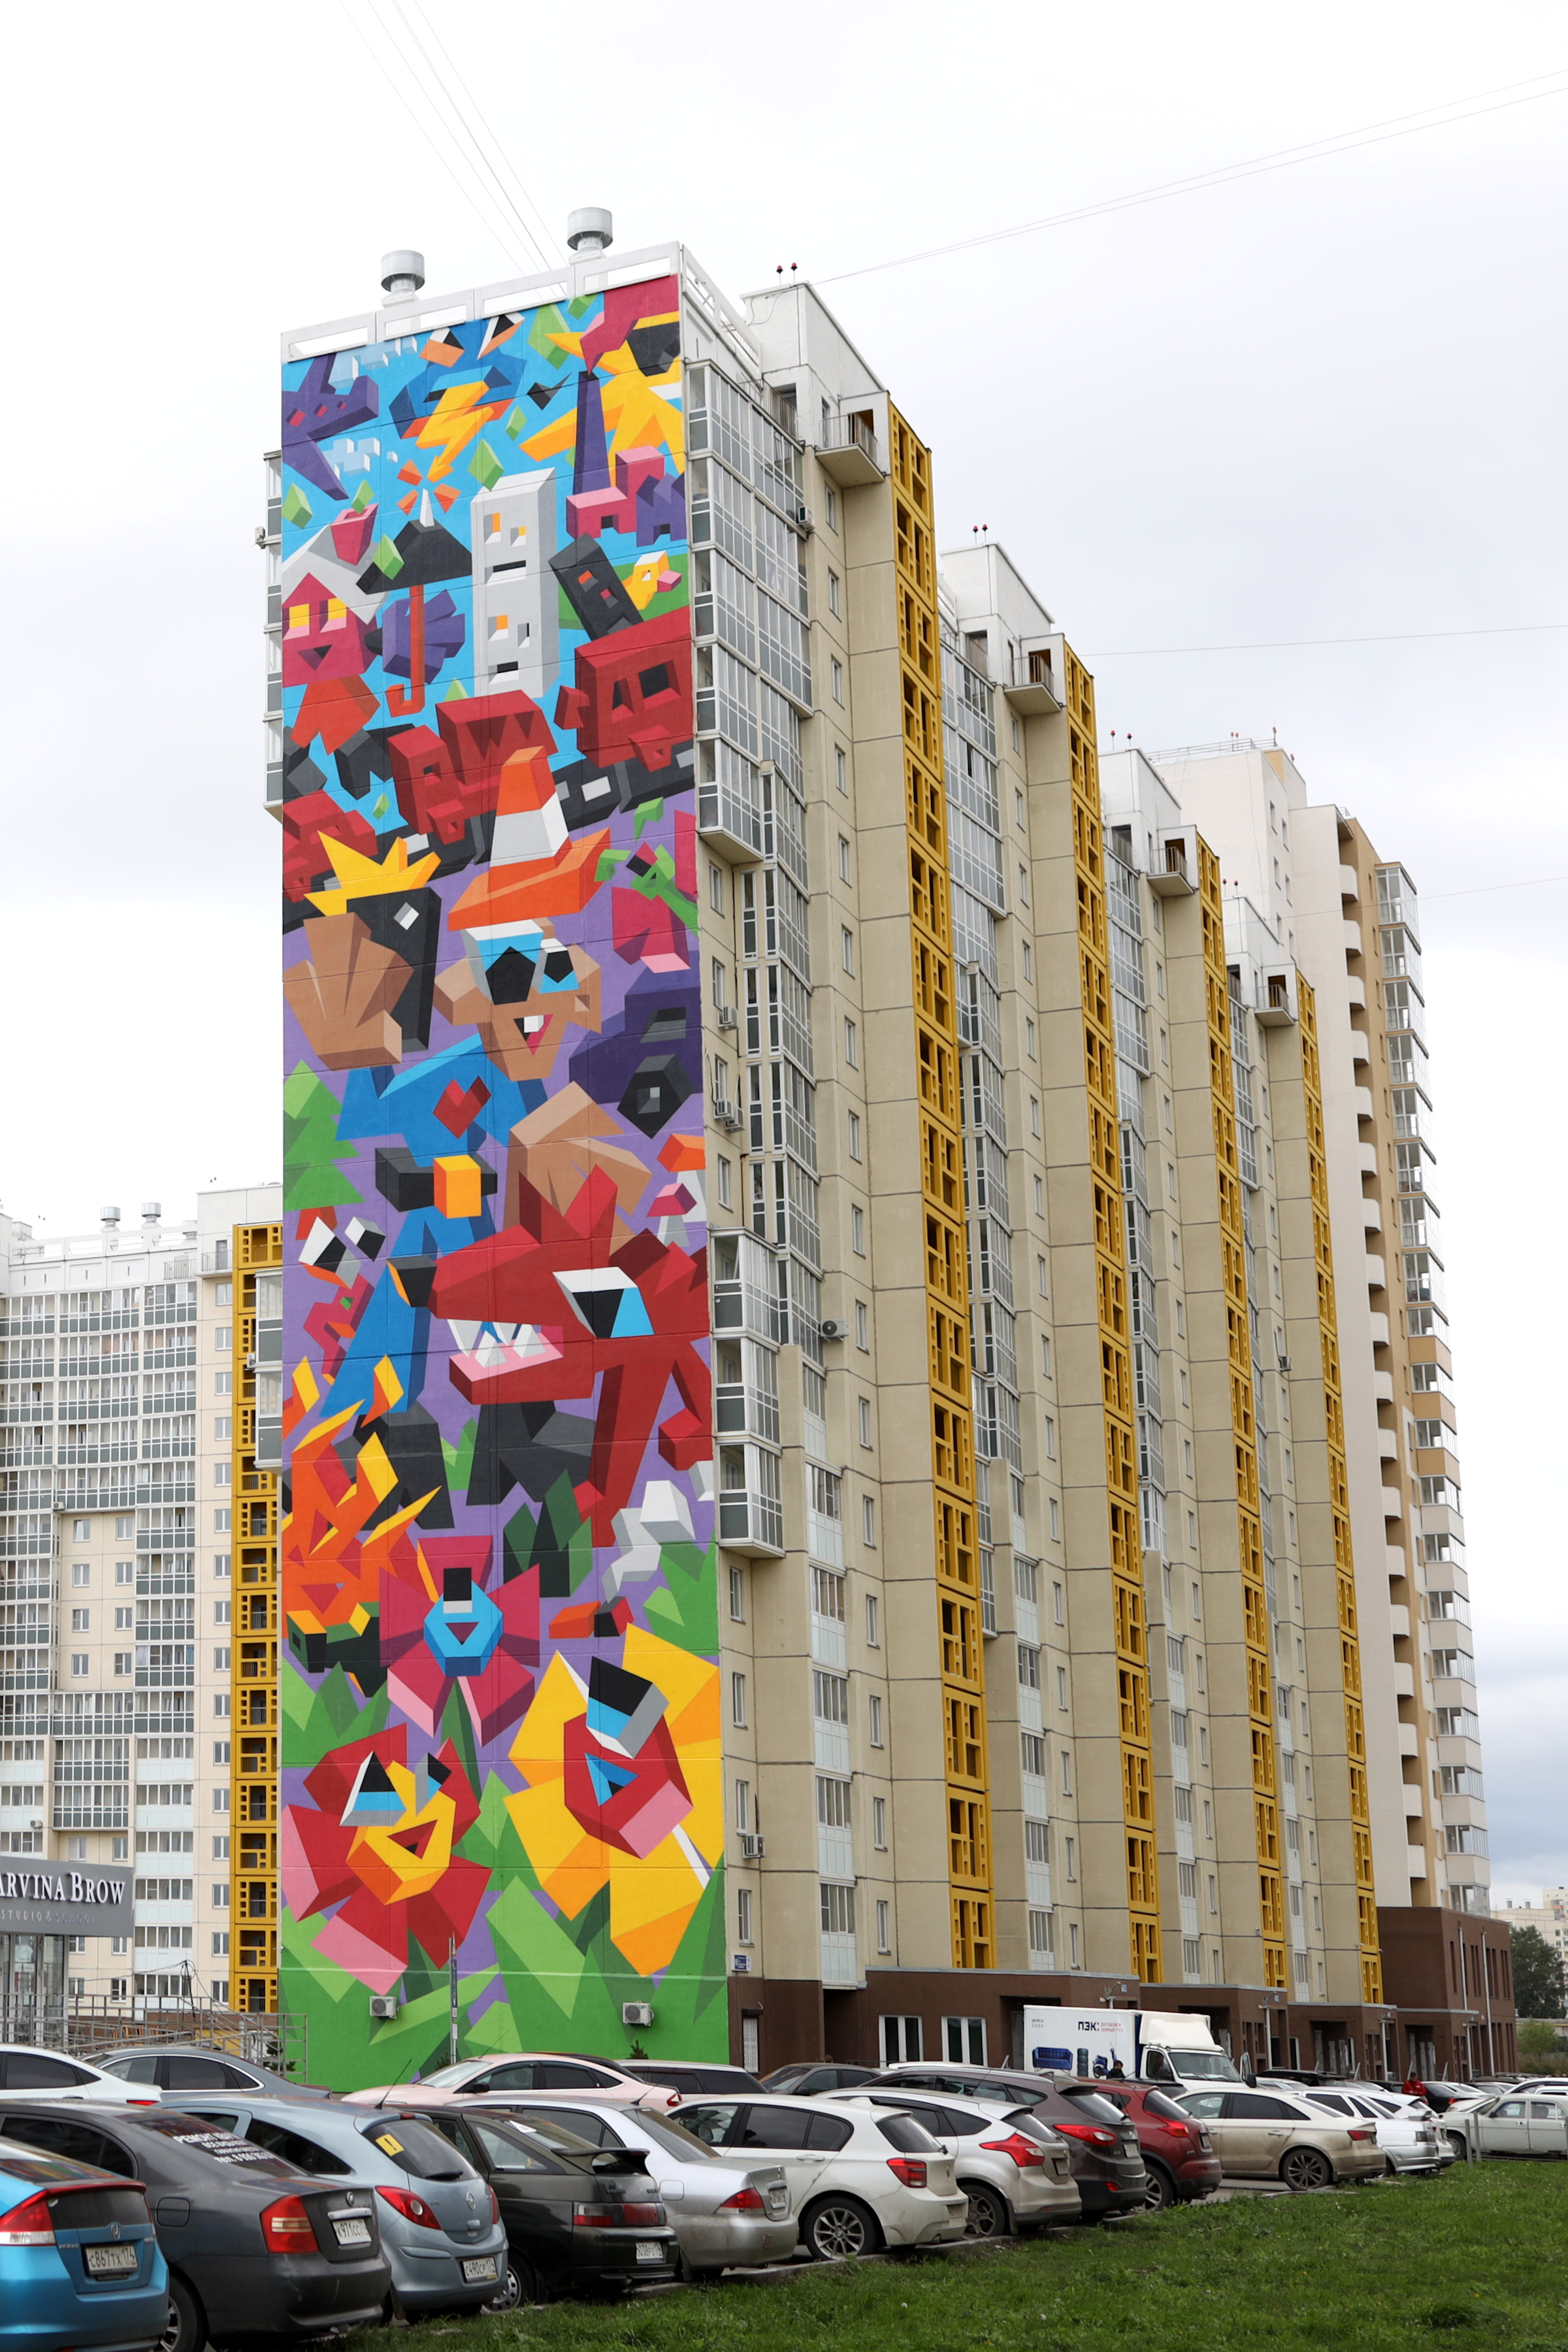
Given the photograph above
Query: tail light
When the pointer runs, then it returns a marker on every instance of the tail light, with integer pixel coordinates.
(1362, 2131)
(27, 2224)
(287, 2228)
(1179, 2131)
(744, 2200)
(1095, 2134)
(910, 2169)
(412, 2208)
(639, 2216)
(1021, 2151)
(595, 2216)
(495, 2207)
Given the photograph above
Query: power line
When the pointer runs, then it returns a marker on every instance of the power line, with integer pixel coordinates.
(462, 131)
(545, 239)
(1282, 159)
(1480, 890)
(1286, 644)
(503, 235)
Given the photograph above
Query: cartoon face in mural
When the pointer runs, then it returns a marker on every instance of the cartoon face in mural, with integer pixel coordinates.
(500, 1722)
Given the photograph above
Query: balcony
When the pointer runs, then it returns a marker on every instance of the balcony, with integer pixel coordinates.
(751, 1513)
(1176, 869)
(729, 817)
(1038, 688)
(1349, 888)
(1277, 1003)
(1376, 1273)
(848, 452)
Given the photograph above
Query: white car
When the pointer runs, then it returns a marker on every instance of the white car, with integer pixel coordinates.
(1528, 2123)
(857, 2178)
(1407, 2130)
(726, 2215)
(1014, 2169)
(538, 2075)
(32, 2073)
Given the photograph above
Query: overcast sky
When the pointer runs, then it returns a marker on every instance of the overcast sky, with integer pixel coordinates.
(1321, 401)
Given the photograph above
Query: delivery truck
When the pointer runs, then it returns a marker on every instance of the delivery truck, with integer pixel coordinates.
(1150, 2045)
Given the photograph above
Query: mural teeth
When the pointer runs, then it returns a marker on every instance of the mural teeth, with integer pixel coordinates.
(465, 1334)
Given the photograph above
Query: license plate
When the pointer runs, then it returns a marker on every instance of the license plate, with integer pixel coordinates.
(111, 2262)
(351, 2230)
(649, 2250)
(479, 2266)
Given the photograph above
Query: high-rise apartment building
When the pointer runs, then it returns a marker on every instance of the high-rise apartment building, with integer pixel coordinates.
(818, 1463)
(1351, 921)
(116, 1404)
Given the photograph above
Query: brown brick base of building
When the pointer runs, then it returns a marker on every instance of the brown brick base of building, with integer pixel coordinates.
(1449, 2012)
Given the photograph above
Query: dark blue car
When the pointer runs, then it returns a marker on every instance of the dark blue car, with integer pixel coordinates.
(78, 2260)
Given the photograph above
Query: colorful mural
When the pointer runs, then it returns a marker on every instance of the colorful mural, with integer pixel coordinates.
(499, 1695)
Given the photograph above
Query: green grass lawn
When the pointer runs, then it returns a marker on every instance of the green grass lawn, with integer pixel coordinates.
(1481, 2256)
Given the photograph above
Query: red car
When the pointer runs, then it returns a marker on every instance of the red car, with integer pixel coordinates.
(1178, 2155)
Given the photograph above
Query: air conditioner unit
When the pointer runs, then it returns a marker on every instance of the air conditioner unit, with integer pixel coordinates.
(806, 518)
(831, 1330)
(637, 2012)
(752, 1847)
(727, 1117)
(1284, 1363)
(383, 2004)
(250, 1363)
(728, 1017)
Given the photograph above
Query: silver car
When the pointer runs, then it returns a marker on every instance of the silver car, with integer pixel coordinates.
(1012, 2167)
(725, 2216)
(441, 2229)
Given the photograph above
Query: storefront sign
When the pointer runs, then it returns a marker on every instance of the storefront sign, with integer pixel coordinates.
(46, 1901)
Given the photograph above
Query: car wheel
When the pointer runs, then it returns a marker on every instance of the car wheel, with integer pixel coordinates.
(1458, 2143)
(988, 2214)
(521, 2286)
(1304, 2167)
(1159, 2188)
(188, 2327)
(837, 2229)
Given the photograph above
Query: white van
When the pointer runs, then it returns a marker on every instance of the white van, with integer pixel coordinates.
(1153, 2045)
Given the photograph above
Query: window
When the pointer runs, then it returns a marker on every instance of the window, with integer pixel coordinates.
(223, 1384)
(964, 2041)
(1041, 1277)
(1050, 1439)
(831, 509)
(737, 1699)
(884, 1932)
(1187, 1455)
(738, 1595)
(1019, 810)
(81, 1574)
(220, 1661)
(830, 1697)
(841, 769)
(1055, 1518)
(124, 1529)
(1022, 886)
(220, 1751)
(1209, 1820)
(742, 1915)
(1072, 1935)
(1070, 1846)
(1061, 1686)
(873, 1628)
(1034, 1116)
(836, 672)
(222, 1520)
(833, 595)
(220, 1849)
(223, 1427)
(1067, 1773)
(1029, 1665)
(1214, 1892)
(79, 1621)
(1057, 1597)
(862, 1325)
(1203, 1744)
(874, 1720)
(879, 1823)
(125, 1571)
(743, 1805)
(864, 1411)
(716, 888)
(868, 1520)
(843, 858)
(726, 1183)
(221, 1612)
(1029, 1041)
(857, 1230)
(79, 1662)
(124, 1620)
(220, 1700)
(851, 1043)
(81, 1532)
(846, 948)
(1034, 1753)
(854, 1135)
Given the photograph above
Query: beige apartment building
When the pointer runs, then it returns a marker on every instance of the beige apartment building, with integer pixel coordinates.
(117, 1402)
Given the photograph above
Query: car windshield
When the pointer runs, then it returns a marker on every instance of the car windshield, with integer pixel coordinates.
(447, 2078)
(1203, 2066)
(416, 2148)
(1155, 2102)
(667, 2133)
(219, 2147)
(554, 2133)
(1104, 2111)
(1027, 2121)
(506, 2150)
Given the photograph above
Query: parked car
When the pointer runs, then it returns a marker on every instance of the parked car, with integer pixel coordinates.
(713, 2082)
(440, 2226)
(1014, 2171)
(725, 2216)
(1102, 2146)
(1263, 2135)
(591, 2218)
(253, 2247)
(539, 2074)
(34, 2074)
(858, 2181)
(180, 2068)
(808, 2082)
(1519, 2122)
(1179, 2161)
(1407, 2129)
(79, 2258)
